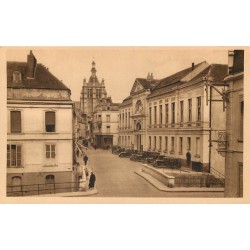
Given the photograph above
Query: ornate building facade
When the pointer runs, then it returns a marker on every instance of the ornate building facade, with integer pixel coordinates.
(92, 92)
(170, 116)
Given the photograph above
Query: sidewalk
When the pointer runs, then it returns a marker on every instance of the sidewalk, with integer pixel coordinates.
(160, 186)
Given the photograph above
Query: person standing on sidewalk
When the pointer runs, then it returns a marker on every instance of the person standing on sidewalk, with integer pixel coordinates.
(188, 157)
(92, 180)
(85, 159)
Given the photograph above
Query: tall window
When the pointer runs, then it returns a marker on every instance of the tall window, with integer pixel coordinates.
(180, 145)
(50, 121)
(160, 143)
(154, 142)
(50, 151)
(189, 110)
(181, 111)
(149, 142)
(129, 119)
(123, 120)
(166, 143)
(197, 146)
(189, 143)
(173, 113)
(160, 114)
(155, 114)
(107, 118)
(15, 121)
(13, 155)
(126, 119)
(150, 115)
(167, 114)
(199, 109)
(172, 144)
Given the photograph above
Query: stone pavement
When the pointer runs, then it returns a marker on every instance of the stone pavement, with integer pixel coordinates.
(160, 186)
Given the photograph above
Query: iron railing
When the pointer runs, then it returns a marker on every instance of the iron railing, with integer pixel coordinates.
(40, 189)
(216, 173)
(206, 182)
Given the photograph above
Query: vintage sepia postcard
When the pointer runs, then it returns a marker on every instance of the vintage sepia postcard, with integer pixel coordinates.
(123, 125)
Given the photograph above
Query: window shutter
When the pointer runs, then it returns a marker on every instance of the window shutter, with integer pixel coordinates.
(8, 155)
(19, 155)
(15, 121)
(50, 118)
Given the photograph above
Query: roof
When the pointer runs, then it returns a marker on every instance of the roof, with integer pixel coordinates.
(216, 71)
(126, 101)
(146, 84)
(176, 77)
(43, 78)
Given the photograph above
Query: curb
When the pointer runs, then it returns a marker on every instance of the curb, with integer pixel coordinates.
(161, 187)
(72, 194)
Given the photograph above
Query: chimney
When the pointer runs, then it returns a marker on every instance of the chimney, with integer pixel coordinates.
(150, 77)
(192, 66)
(31, 65)
(230, 60)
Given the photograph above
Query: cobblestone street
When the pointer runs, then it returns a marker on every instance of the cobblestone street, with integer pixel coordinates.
(116, 178)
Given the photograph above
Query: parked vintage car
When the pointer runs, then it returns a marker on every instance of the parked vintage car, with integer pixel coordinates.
(167, 162)
(145, 156)
(152, 156)
(125, 154)
(138, 156)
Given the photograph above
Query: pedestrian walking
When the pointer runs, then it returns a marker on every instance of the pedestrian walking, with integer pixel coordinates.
(86, 173)
(188, 157)
(85, 159)
(92, 180)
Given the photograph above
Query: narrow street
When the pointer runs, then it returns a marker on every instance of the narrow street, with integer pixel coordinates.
(115, 177)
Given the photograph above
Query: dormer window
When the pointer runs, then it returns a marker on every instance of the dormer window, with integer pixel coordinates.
(17, 77)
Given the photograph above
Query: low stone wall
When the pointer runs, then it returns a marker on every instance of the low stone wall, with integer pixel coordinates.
(167, 180)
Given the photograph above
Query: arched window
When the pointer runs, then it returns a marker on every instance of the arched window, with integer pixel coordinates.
(49, 179)
(138, 126)
(16, 183)
(138, 107)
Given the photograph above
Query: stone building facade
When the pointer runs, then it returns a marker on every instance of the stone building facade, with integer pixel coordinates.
(170, 116)
(105, 123)
(234, 125)
(40, 128)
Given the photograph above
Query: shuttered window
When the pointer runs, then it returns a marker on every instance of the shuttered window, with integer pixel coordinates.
(15, 121)
(50, 121)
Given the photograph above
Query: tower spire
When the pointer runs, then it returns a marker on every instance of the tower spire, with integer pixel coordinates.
(93, 70)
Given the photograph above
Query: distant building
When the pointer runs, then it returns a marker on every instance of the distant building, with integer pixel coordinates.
(92, 92)
(105, 123)
(170, 116)
(80, 122)
(40, 129)
(234, 125)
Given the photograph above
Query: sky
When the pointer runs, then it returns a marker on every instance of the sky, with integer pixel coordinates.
(119, 66)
